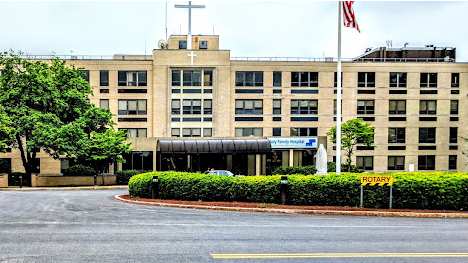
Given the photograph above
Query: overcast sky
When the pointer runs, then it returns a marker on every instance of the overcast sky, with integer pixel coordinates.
(292, 28)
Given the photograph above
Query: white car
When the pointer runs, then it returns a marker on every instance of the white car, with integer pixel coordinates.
(220, 172)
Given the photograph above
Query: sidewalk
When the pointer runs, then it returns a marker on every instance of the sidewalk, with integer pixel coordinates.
(67, 188)
(287, 209)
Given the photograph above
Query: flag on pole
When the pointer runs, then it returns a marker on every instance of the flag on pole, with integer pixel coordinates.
(349, 19)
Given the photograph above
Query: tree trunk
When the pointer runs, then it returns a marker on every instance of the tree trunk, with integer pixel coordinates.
(26, 162)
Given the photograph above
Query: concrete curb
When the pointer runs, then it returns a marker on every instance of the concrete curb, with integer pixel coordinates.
(302, 211)
(71, 188)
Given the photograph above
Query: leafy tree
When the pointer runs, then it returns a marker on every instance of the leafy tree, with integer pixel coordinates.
(5, 130)
(48, 108)
(353, 131)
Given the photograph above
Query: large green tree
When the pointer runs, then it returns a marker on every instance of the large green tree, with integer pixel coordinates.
(47, 107)
(353, 131)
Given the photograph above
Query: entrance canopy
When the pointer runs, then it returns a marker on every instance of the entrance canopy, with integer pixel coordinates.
(223, 146)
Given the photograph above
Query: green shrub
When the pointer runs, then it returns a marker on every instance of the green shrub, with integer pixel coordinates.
(296, 170)
(122, 177)
(79, 170)
(421, 190)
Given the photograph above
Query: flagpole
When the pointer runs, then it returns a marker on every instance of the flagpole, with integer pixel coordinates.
(338, 96)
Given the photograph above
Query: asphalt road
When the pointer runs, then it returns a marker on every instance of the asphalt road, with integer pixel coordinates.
(89, 226)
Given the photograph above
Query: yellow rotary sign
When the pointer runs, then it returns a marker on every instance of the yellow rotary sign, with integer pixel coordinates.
(377, 180)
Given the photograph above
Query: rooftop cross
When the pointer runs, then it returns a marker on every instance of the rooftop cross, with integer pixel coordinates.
(189, 7)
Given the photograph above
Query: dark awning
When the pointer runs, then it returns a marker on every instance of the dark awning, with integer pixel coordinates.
(226, 146)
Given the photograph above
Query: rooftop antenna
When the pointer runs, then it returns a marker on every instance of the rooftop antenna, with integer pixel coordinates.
(406, 44)
(166, 19)
(389, 43)
(213, 30)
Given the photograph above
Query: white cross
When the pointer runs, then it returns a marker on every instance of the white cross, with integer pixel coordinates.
(191, 55)
(189, 7)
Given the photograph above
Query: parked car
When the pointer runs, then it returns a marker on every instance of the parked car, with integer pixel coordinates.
(220, 172)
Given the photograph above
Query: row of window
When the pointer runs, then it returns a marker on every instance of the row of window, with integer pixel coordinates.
(398, 107)
(191, 132)
(365, 79)
(426, 135)
(124, 78)
(191, 106)
(202, 44)
(192, 77)
(425, 162)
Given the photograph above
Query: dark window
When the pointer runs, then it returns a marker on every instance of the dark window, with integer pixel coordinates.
(455, 83)
(132, 78)
(365, 107)
(277, 106)
(203, 44)
(428, 107)
(182, 44)
(397, 107)
(5, 165)
(243, 132)
(426, 162)
(175, 132)
(191, 106)
(303, 132)
(132, 107)
(207, 78)
(191, 78)
(452, 165)
(396, 135)
(427, 135)
(335, 80)
(104, 78)
(249, 78)
(454, 107)
(176, 77)
(141, 161)
(304, 107)
(277, 79)
(396, 162)
(191, 132)
(397, 79)
(207, 106)
(175, 106)
(276, 131)
(365, 163)
(428, 80)
(453, 135)
(135, 132)
(334, 107)
(249, 107)
(366, 79)
(104, 104)
(304, 79)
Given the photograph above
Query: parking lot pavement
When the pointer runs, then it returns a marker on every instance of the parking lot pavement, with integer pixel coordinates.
(90, 226)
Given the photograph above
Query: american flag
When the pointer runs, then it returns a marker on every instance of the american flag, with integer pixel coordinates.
(349, 19)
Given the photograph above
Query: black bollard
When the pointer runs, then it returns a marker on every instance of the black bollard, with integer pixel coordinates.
(21, 181)
(284, 189)
(155, 187)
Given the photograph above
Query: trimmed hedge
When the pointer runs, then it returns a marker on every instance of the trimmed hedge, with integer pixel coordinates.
(79, 170)
(122, 177)
(420, 190)
(306, 170)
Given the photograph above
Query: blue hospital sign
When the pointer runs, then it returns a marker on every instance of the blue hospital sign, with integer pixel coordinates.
(293, 142)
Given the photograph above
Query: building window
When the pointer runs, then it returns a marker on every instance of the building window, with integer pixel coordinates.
(207, 107)
(176, 77)
(182, 44)
(428, 107)
(277, 79)
(396, 163)
(191, 78)
(132, 78)
(249, 78)
(304, 79)
(366, 79)
(365, 107)
(397, 79)
(249, 107)
(104, 104)
(276, 131)
(335, 80)
(396, 135)
(85, 74)
(132, 107)
(141, 161)
(191, 106)
(304, 107)
(104, 78)
(207, 132)
(365, 163)
(191, 132)
(334, 107)
(426, 162)
(427, 135)
(135, 132)
(303, 131)
(453, 135)
(207, 78)
(5, 165)
(203, 44)
(175, 106)
(245, 132)
(452, 165)
(428, 80)
(454, 107)
(175, 132)
(397, 107)
(455, 80)
(277, 106)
